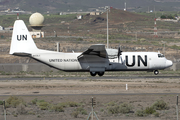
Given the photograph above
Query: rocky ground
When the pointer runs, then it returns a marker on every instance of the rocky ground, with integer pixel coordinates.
(75, 97)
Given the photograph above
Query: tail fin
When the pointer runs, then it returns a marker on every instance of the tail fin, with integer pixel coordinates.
(21, 41)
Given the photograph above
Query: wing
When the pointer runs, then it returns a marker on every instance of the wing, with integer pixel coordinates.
(96, 50)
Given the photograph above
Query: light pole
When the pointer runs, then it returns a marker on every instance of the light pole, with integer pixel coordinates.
(107, 28)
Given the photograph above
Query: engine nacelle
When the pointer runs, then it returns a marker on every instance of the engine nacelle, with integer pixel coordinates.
(112, 53)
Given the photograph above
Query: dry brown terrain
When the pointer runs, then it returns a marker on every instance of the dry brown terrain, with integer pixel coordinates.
(106, 91)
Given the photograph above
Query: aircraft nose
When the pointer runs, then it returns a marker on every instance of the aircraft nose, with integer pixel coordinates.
(169, 63)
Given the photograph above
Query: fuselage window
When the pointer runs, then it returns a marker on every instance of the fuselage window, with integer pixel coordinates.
(160, 55)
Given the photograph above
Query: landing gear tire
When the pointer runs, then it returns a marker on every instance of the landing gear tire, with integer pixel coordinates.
(93, 73)
(100, 73)
(156, 72)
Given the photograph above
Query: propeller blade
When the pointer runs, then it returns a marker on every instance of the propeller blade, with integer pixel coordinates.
(119, 53)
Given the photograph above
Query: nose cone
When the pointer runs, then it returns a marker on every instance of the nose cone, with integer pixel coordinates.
(169, 63)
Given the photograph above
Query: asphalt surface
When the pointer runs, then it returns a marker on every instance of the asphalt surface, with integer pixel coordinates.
(97, 94)
(91, 78)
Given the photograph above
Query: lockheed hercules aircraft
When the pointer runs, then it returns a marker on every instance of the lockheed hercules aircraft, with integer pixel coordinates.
(96, 59)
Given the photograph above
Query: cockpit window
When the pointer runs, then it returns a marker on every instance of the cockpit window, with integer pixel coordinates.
(160, 55)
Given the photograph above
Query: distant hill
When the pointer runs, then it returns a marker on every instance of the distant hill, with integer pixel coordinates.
(117, 16)
(54, 6)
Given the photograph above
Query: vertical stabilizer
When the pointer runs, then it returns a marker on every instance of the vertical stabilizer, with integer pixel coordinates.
(21, 41)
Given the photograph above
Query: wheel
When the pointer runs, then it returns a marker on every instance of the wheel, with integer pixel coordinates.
(100, 73)
(156, 72)
(93, 73)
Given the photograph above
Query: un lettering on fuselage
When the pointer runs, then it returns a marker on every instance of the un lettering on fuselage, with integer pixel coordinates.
(139, 59)
(21, 37)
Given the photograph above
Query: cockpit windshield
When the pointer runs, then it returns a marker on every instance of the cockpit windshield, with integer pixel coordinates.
(160, 55)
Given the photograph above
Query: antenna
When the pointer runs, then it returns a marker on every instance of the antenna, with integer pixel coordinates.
(125, 6)
(17, 16)
(155, 28)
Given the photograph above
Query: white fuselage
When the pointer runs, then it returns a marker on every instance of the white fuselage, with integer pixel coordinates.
(127, 61)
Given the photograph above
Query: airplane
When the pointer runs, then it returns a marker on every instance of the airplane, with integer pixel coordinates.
(96, 59)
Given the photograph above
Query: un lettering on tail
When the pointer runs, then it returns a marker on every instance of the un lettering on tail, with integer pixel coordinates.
(21, 37)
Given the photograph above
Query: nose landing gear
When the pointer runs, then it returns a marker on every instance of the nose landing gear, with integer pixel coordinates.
(156, 72)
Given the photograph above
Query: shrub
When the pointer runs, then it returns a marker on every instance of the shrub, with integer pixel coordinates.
(113, 109)
(122, 108)
(163, 17)
(80, 39)
(81, 110)
(125, 108)
(78, 110)
(1, 102)
(160, 105)
(140, 113)
(112, 103)
(149, 110)
(31, 113)
(43, 105)
(75, 114)
(57, 108)
(21, 109)
(73, 104)
(14, 101)
(34, 101)
(63, 104)
(156, 114)
(15, 114)
(70, 104)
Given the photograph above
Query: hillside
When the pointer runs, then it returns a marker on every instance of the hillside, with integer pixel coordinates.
(54, 6)
(95, 24)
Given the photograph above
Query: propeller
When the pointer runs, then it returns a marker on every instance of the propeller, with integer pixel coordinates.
(119, 52)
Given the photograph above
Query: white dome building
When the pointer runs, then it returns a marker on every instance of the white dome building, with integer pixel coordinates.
(36, 21)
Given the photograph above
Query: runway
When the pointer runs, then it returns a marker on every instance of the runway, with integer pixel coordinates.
(92, 78)
(118, 94)
(90, 86)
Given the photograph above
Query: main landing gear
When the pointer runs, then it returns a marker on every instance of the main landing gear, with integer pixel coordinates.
(99, 73)
(156, 72)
